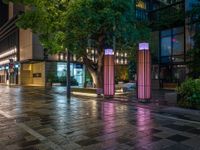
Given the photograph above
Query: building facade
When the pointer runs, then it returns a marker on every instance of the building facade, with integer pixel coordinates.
(171, 36)
(23, 61)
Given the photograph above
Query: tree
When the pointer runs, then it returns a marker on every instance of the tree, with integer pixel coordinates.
(102, 24)
(79, 25)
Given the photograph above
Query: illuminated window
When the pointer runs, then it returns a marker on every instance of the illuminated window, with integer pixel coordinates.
(125, 62)
(141, 4)
(74, 57)
(125, 54)
(15, 58)
(117, 61)
(61, 57)
(93, 59)
(122, 61)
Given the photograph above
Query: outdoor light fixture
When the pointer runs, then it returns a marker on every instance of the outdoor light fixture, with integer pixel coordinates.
(144, 72)
(109, 52)
(16, 65)
(144, 46)
(109, 83)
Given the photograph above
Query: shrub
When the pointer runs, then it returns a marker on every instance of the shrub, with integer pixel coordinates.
(63, 80)
(189, 93)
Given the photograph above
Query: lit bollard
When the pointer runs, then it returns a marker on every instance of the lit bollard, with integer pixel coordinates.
(144, 73)
(109, 83)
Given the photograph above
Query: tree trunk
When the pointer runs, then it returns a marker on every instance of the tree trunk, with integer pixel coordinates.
(95, 70)
(100, 66)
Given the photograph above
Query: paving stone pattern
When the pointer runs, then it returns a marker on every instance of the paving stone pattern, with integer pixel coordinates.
(43, 119)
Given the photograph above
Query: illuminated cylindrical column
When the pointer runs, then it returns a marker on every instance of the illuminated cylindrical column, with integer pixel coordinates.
(109, 83)
(144, 72)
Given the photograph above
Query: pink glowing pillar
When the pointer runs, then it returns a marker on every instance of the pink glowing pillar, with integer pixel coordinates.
(109, 83)
(144, 72)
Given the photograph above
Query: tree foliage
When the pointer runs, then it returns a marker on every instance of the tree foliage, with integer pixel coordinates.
(95, 23)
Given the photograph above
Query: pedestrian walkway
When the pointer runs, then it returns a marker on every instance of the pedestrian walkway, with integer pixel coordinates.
(43, 119)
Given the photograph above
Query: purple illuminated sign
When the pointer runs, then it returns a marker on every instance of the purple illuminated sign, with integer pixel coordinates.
(109, 52)
(143, 46)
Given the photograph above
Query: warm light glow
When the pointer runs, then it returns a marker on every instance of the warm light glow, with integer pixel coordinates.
(74, 57)
(141, 4)
(122, 61)
(6, 61)
(8, 53)
(61, 56)
(125, 61)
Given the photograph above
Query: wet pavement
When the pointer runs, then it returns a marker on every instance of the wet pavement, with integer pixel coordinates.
(43, 119)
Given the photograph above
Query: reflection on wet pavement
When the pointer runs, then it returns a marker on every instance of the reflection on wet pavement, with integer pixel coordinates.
(38, 118)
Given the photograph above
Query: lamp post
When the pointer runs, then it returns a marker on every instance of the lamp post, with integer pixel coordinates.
(144, 73)
(68, 75)
(109, 82)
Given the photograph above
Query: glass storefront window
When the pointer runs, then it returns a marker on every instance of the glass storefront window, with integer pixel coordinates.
(76, 70)
(178, 44)
(172, 45)
(165, 46)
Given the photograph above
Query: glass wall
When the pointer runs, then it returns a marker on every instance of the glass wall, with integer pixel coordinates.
(77, 72)
(172, 52)
(172, 45)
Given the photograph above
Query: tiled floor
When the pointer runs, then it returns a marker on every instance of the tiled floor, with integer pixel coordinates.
(35, 118)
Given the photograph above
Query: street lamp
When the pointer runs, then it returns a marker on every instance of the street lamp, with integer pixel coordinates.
(144, 73)
(68, 74)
